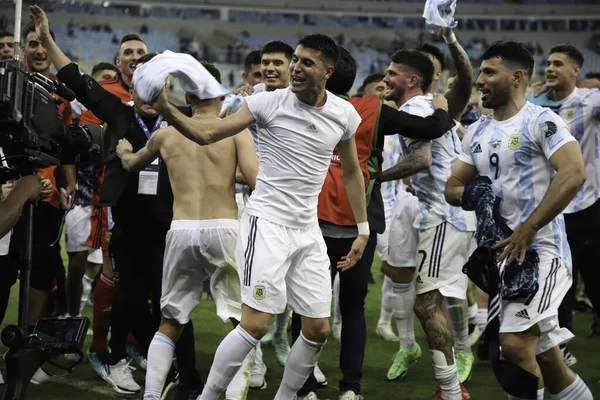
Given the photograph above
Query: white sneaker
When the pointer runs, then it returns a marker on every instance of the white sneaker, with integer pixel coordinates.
(386, 333)
(40, 377)
(350, 395)
(310, 396)
(320, 376)
(257, 375)
(120, 378)
(336, 331)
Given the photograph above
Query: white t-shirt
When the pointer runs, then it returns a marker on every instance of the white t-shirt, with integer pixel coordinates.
(515, 155)
(430, 183)
(296, 142)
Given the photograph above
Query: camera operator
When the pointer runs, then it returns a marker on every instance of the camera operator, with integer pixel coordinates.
(47, 262)
(142, 215)
(7, 46)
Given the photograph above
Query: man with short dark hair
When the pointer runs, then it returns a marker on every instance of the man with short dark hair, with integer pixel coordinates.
(534, 165)
(281, 256)
(252, 73)
(580, 109)
(7, 46)
(445, 232)
(104, 71)
(373, 85)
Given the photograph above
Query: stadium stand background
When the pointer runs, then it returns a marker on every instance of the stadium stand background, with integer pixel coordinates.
(371, 30)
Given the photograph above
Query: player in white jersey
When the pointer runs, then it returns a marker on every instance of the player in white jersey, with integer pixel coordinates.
(444, 231)
(536, 168)
(281, 255)
(459, 95)
(580, 109)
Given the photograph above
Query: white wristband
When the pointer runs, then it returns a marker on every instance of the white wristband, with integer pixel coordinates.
(363, 228)
(450, 39)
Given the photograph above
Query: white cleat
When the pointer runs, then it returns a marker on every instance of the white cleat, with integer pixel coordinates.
(120, 378)
(257, 375)
(386, 333)
(309, 396)
(350, 395)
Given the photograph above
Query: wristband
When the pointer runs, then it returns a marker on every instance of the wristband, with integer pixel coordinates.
(363, 228)
(450, 39)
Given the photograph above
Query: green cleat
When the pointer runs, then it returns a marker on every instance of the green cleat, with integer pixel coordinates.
(282, 347)
(464, 365)
(268, 338)
(402, 360)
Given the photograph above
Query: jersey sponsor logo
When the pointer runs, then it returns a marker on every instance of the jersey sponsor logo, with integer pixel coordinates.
(260, 292)
(477, 149)
(514, 142)
(549, 128)
(312, 128)
(523, 314)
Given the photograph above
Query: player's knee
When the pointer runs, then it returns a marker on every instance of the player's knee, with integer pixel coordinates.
(402, 274)
(317, 330)
(517, 350)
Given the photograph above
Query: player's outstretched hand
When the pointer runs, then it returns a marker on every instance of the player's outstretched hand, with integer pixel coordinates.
(124, 147)
(356, 252)
(439, 102)
(42, 26)
(244, 90)
(517, 244)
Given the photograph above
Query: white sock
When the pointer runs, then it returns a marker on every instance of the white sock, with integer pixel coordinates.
(281, 321)
(539, 396)
(473, 314)
(403, 304)
(87, 288)
(482, 316)
(387, 307)
(577, 390)
(300, 363)
(457, 308)
(160, 357)
(337, 313)
(238, 387)
(259, 354)
(228, 359)
(446, 375)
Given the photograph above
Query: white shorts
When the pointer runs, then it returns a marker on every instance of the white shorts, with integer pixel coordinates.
(404, 237)
(542, 309)
(443, 251)
(196, 250)
(280, 265)
(383, 242)
(77, 231)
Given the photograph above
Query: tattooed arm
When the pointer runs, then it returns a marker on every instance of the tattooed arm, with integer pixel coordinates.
(418, 159)
(460, 94)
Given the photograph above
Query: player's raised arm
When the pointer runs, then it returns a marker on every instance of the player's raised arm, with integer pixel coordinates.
(460, 94)
(201, 131)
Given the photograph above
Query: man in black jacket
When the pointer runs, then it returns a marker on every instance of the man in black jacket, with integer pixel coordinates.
(142, 212)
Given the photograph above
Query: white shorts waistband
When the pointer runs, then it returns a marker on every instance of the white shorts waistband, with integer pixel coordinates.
(204, 224)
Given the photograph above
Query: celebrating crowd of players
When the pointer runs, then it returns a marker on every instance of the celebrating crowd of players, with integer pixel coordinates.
(332, 180)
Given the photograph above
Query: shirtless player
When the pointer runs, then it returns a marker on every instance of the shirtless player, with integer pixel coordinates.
(202, 239)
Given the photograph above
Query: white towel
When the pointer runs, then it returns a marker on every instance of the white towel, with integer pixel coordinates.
(439, 14)
(150, 77)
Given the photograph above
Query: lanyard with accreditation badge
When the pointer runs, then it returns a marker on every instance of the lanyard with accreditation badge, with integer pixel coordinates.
(148, 178)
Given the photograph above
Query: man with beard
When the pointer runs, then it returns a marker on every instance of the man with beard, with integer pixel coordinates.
(445, 232)
(536, 168)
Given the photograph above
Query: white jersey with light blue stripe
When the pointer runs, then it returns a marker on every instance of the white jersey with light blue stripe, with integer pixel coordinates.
(391, 157)
(430, 183)
(515, 155)
(581, 111)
